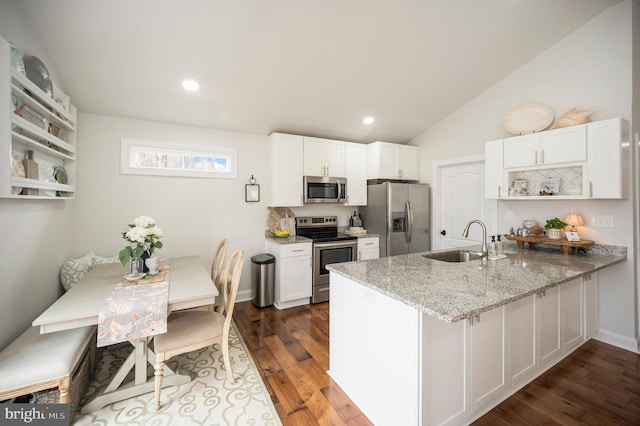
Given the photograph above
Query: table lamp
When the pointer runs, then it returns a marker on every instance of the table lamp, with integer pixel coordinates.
(574, 219)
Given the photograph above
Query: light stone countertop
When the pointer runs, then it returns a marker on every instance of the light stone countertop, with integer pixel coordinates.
(293, 239)
(454, 291)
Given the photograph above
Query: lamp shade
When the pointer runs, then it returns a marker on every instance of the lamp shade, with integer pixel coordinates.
(574, 219)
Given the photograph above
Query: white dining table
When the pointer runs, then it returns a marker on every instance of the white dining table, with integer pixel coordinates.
(190, 286)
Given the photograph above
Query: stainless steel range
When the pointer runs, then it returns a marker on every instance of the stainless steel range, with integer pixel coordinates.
(329, 246)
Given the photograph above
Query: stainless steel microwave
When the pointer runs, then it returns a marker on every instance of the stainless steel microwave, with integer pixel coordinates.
(324, 189)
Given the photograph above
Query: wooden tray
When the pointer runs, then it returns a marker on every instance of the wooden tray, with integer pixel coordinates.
(564, 244)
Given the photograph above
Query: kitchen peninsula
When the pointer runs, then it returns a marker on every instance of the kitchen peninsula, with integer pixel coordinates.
(418, 341)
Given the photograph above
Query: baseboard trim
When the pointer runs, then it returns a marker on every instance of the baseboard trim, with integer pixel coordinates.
(615, 339)
(244, 296)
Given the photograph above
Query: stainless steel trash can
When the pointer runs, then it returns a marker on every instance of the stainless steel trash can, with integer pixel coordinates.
(263, 276)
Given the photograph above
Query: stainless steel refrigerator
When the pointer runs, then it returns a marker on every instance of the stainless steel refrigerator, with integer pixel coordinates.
(399, 212)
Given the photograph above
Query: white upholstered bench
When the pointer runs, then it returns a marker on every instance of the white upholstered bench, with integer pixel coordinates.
(35, 362)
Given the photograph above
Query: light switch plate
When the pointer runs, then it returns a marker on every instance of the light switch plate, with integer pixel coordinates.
(602, 221)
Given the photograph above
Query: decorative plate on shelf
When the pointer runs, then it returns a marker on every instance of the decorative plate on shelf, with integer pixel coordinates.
(51, 192)
(17, 170)
(60, 174)
(38, 74)
(528, 118)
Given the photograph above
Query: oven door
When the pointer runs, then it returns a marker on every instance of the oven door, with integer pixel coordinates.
(324, 254)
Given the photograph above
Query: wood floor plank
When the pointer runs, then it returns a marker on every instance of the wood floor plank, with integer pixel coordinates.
(598, 384)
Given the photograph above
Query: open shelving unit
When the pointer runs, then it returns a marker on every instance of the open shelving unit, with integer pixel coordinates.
(18, 134)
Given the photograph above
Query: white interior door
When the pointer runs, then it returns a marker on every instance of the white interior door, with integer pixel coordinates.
(458, 198)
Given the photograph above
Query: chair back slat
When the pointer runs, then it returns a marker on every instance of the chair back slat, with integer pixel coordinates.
(230, 281)
(218, 263)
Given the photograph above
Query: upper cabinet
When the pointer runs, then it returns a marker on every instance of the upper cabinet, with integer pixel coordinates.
(392, 161)
(356, 173)
(563, 145)
(33, 124)
(324, 157)
(286, 169)
(583, 161)
(608, 158)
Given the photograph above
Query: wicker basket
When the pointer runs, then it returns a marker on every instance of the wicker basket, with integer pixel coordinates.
(77, 387)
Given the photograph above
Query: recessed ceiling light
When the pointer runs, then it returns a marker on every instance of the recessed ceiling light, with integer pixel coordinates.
(368, 120)
(190, 85)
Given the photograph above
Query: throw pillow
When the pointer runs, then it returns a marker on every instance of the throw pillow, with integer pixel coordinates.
(99, 260)
(74, 269)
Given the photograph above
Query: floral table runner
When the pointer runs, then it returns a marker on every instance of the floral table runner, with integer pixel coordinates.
(135, 309)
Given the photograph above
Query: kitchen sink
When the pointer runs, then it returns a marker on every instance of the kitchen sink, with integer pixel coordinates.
(453, 256)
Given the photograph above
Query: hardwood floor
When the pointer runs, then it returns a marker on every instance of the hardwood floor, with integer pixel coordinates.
(598, 384)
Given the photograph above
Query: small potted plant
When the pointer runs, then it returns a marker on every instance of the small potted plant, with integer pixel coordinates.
(554, 228)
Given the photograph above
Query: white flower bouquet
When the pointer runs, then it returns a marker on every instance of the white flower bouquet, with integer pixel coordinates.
(141, 236)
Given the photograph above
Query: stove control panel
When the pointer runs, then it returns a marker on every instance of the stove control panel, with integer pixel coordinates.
(317, 221)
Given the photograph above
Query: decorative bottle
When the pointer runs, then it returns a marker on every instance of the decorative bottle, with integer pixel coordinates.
(499, 247)
(30, 172)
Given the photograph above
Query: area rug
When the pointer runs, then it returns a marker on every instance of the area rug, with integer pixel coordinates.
(208, 400)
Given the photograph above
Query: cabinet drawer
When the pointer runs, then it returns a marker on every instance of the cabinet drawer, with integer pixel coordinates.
(290, 250)
(367, 243)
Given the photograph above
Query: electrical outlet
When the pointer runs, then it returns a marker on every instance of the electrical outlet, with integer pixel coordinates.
(602, 221)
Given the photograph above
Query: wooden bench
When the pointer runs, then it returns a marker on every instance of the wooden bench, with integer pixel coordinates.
(35, 362)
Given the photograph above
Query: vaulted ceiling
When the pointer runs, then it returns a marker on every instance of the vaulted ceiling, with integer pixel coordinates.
(299, 66)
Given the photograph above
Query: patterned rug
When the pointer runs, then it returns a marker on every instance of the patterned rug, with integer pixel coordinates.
(209, 399)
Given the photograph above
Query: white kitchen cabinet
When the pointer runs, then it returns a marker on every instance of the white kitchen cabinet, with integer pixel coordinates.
(572, 323)
(383, 331)
(392, 161)
(444, 389)
(31, 119)
(522, 354)
(286, 170)
(293, 270)
(324, 157)
(548, 312)
(488, 359)
(368, 248)
(564, 145)
(356, 173)
(462, 368)
(608, 158)
(590, 160)
(494, 186)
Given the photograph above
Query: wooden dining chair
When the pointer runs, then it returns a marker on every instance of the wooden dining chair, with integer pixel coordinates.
(218, 261)
(217, 265)
(189, 331)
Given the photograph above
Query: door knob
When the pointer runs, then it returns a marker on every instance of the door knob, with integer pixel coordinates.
(443, 232)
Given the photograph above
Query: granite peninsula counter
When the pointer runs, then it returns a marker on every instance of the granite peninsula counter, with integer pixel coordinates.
(402, 352)
(454, 291)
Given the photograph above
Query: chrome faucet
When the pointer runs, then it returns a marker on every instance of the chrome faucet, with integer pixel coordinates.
(484, 252)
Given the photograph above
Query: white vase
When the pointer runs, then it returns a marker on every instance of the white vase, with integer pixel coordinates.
(554, 234)
(152, 264)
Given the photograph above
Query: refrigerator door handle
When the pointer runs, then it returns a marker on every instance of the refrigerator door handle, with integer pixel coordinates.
(409, 213)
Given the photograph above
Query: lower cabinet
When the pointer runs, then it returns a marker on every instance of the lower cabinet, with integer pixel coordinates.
(522, 357)
(545, 327)
(548, 326)
(488, 357)
(368, 248)
(293, 285)
(402, 366)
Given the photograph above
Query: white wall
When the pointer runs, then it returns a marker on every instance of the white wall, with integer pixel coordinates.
(590, 69)
(194, 213)
(34, 234)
